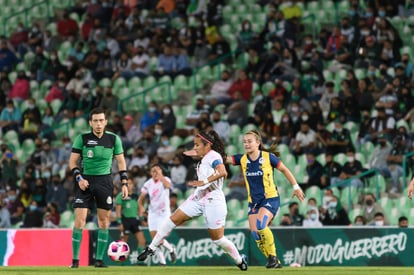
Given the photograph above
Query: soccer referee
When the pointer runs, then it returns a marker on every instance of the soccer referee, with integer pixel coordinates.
(91, 162)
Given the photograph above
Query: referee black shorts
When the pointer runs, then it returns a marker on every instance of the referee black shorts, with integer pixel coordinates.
(100, 191)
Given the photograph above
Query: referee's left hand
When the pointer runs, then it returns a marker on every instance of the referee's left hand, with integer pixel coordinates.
(124, 191)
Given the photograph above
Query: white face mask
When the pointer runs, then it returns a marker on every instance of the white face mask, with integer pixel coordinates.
(304, 118)
(312, 216)
(10, 110)
(158, 131)
(350, 159)
(332, 204)
(166, 111)
(379, 223)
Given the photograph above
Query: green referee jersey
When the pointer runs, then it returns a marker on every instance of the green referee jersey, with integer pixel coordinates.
(129, 205)
(97, 153)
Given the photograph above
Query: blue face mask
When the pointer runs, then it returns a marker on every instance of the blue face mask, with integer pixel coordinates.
(351, 13)
(368, 14)
(165, 142)
(32, 207)
(381, 13)
(12, 198)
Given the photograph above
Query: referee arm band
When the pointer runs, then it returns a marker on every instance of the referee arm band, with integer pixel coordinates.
(124, 177)
(77, 174)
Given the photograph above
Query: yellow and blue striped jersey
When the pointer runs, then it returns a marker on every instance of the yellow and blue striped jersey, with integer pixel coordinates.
(258, 175)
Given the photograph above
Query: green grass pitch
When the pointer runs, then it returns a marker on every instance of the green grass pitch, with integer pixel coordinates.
(222, 270)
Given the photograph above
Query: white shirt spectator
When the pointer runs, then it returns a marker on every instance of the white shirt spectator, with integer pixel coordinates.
(140, 60)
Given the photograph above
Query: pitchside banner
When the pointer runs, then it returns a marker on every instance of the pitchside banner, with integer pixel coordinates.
(367, 246)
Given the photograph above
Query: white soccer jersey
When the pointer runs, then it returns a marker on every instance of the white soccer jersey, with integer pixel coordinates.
(206, 168)
(159, 196)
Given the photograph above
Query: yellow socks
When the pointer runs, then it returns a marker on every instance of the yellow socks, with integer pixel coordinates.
(267, 241)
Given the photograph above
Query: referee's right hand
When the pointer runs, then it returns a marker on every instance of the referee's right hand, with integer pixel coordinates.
(83, 184)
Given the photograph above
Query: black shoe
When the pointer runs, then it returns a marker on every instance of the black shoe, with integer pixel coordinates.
(100, 263)
(173, 256)
(75, 264)
(144, 254)
(243, 264)
(273, 262)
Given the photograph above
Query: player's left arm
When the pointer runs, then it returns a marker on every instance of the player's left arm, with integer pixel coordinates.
(219, 172)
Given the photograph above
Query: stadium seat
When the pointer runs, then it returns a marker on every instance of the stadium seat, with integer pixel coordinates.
(314, 192)
(67, 219)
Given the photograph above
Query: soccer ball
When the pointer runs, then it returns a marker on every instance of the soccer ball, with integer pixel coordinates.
(118, 251)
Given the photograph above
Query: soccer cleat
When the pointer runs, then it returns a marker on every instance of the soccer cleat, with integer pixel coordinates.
(75, 264)
(243, 264)
(173, 256)
(144, 254)
(273, 262)
(100, 263)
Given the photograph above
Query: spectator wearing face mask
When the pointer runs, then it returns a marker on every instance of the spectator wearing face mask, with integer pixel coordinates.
(379, 219)
(168, 120)
(165, 150)
(179, 174)
(15, 207)
(370, 207)
(33, 217)
(312, 218)
(150, 116)
(335, 214)
(351, 168)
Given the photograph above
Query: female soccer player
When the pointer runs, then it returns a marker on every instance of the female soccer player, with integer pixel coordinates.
(157, 188)
(208, 198)
(263, 198)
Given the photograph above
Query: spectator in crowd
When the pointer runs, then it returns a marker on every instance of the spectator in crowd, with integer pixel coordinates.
(237, 112)
(20, 90)
(314, 172)
(340, 139)
(165, 151)
(39, 192)
(67, 27)
(395, 161)
(378, 159)
(182, 62)
(201, 54)
(305, 140)
(312, 218)
(178, 174)
(360, 220)
(331, 171)
(220, 50)
(4, 215)
(148, 143)
(294, 215)
(150, 116)
(138, 158)
(15, 207)
(140, 63)
(7, 58)
(167, 64)
(351, 168)
(52, 217)
(57, 195)
(110, 101)
(286, 220)
(221, 126)
(335, 214)
(379, 219)
(132, 133)
(33, 216)
(237, 187)
(370, 207)
(9, 165)
(219, 93)
(168, 120)
(403, 222)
